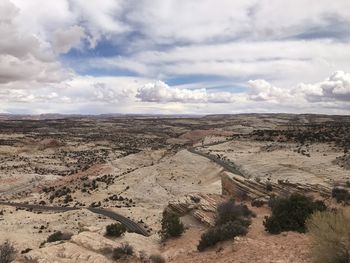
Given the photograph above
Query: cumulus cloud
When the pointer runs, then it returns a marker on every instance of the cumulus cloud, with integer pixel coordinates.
(100, 18)
(336, 87)
(22, 56)
(272, 43)
(261, 90)
(64, 40)
(160, 92)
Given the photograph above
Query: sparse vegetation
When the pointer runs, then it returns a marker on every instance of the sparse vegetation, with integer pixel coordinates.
(223, 232)
(230, 211)
(58, 236)
(340, 194)
(331, 236)
(115, 230)
(123, 251)
(258, 202)
(232, 220)
(7, 252)
(290, 213)
(171, 225)
(268, 186)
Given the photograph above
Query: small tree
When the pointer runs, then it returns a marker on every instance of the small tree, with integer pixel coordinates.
(231, 220)
(171, 225)
(340, 194)
(7, 252)
(115, 230)
(230, 211)
(290, 214)
(330, 231)
(223, 232)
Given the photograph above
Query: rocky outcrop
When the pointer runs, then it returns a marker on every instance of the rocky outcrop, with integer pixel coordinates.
(200, 206)
(239, 186)
(66, 252)
(91, 247)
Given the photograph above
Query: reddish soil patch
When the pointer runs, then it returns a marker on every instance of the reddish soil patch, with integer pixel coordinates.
(257, 246)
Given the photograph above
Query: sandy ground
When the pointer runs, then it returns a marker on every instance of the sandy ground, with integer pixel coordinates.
(282, 161)
(24, 228)
(154, 176)
(257, 246)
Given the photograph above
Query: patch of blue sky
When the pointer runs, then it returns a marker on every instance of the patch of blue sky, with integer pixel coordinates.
(186, 79)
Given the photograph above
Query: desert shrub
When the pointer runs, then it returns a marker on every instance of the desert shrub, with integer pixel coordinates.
(340, 194)
(330, 231)
(68, 198)
(258, 202)
(115, 230)
(223, 232)
(268, 186)
(7, 252)
(241, 195)
(58, 236)
(231, 220)
(290, 214)
(156, 258)
(230, 211)
(171, 225)
(123, 251)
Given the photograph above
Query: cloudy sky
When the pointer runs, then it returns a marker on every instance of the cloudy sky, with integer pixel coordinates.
(174, 56)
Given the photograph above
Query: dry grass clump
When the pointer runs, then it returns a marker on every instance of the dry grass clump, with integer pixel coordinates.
(331, 236)
(7, 252)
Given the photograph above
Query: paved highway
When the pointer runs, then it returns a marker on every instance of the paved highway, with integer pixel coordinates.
(129, 224)
(228, 166)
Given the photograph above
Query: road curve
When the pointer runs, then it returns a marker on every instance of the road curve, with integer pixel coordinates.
(230, 167)
(128, 223)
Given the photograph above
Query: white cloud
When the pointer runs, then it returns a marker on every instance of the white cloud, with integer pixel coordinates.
(286, 62)
(161, 92)
(334, 88)
(333, 92)
(64, 40)
(273, 43)
(261, 90)
(22, 55)
(101, 18)
(193, 21)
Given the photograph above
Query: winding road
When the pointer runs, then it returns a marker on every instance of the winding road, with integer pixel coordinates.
(230, 167)
(128, 223)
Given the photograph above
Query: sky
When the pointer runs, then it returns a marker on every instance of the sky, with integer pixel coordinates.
(174, 56)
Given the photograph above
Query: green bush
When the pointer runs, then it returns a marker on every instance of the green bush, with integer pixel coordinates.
(123, 251)
(58, 236)
(330, 231)
(223, 232)
(258, 202)
(230, 211)
(171, 225)
(115, 230)
(290, 214)
(340, 194)
(269, 187)
(231, 220)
